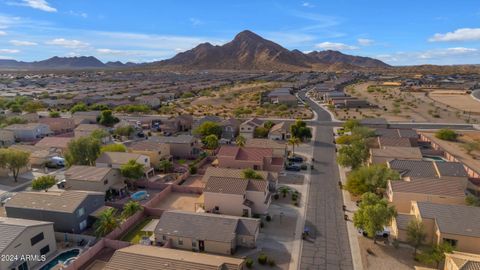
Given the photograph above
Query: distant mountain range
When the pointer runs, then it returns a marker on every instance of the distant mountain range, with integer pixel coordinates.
(55, 63)
(250, 51)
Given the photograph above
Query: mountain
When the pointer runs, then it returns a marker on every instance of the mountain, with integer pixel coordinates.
(80, 62)
(250, 51)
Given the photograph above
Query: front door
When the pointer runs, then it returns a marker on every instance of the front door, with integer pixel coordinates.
(201, 245)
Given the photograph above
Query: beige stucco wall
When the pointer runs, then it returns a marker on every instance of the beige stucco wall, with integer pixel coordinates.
(154, 156)
(210, 246)
(113, 178)
(229, 204)
(22, 245)
(464, 243)
(258, 199)
(399, 234)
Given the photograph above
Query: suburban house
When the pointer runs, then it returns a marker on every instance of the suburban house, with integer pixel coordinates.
(68, 210)
(412, 169)
(279, 148)
(39, 156)
(89, 117)
(247, 128)
(280, 132)
(156, 151)
(249, 157)
(58, 125)
(271, 177)
(57, 144)
(402, 193)
(85, 130)
(389, 153)
(236, 196)
(212, 233)
(282, 96)
(461, 261)
(396, 142)
(115, 160)
(20, 237)
(458, 225)
(230, 129)
(149, 257)
(30, 131)
(100, 179)
(181, 146)
(7, 137)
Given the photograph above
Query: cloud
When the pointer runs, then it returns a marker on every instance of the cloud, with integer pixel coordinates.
(68, 43)
(3, 33)
(335, 46)
(42, 5)
(22, 43)
(462, 34)
(446, 52)
(365, 41)
(308, 5)
(196, 22)
(447, 56)
(4, 57)
(9, 51)
(78, 14)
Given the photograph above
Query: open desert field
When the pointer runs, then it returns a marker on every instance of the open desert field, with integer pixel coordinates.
(460, 100)
(396, 105)
(241, 100)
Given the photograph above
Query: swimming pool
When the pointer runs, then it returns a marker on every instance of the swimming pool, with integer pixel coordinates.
(434, 158)
(61, 258)
(139, 195)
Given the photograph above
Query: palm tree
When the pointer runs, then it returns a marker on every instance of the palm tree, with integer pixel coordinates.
(130, 208)
(284, 190)
(240, 141)
(165, 165)
(106, 222)
(293, 141)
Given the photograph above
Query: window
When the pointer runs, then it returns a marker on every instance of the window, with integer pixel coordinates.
(452, 242)
(164, 237)
(23, 266)
(83, 225)
(81, 212)
(45, 250)
(37, 238)
(194, 244)
(180, 241)
(105, 182)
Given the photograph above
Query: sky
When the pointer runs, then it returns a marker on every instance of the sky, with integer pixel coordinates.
(399, 32)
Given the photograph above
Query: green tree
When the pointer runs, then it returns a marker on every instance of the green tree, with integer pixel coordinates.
(208, 128)
(43, 182)
(472, 200)
(114, 147)
(251, 174)
(107, 119)
(99, 134)
(261, 132)
(132, 170)
(268, 124)
(416, 234)
(362, 132)
(54, 114)
(436, 254)
(98, 107)
(82, 151)
(126, 131)
(32, 106)
(353, 155)
(106, 222)
(211, 141)
(131, 208)
(240, 141)
(446, 134)
(16, 108)
(14, 160)
(350, 124)
(293, 141)
(373, 214)
(79, 107)
(471, 146)
(300, 130)
(165, 166)
(372, 178)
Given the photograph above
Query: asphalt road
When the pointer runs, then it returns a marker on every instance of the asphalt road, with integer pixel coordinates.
(328, 247)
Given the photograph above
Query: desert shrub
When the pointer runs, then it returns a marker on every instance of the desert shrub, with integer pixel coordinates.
(249, 263)
(262, 259)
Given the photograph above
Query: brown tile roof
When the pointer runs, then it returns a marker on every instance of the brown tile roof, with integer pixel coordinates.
(264, 143)
(117, 157)
(402, 220)
(238, 186)
(453, 219)
(86, 173)
(235, 173)
(156, 258)
(393, 141)
(245, 153)
(64, 201)
(414, 168)
(381, 155)
(54, 142)
(56, 121)
(451, 188)
(147, 145)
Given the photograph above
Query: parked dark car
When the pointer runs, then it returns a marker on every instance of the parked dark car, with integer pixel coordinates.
(295, 159)
(295, 168)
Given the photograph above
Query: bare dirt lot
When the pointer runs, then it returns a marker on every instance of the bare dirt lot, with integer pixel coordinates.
(396, 105)
(179, 201)
(383, 256)
(459, 100)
